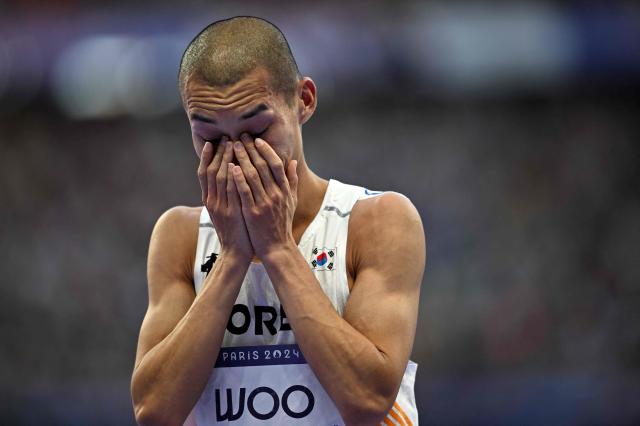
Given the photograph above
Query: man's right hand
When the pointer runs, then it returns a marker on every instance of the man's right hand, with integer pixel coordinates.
(220, 196)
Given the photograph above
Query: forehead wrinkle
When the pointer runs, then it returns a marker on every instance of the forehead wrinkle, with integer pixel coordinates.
(222, 98)
(223, 91)
(211, 103)
(239, 89)
(207, 106)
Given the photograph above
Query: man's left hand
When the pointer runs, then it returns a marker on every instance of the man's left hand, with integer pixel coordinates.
(269, 195)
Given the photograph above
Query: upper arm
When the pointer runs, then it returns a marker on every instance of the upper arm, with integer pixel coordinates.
(387, 251)
(169, 275)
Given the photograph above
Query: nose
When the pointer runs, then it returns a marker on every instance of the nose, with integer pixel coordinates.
(235, 136)
(232, 136)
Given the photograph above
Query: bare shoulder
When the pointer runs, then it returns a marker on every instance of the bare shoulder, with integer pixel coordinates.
(173, 242)
(382, 228)
(388, 214)
(178, 219)
(169, 274)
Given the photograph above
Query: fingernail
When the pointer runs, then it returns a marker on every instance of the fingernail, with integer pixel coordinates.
(237, 145)
(228, 144)
(259, 142)
(230, 166)
(207, 146)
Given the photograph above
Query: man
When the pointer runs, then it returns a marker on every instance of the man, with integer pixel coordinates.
(287, 298)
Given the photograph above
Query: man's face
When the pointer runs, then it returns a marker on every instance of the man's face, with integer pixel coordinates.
(250, 106)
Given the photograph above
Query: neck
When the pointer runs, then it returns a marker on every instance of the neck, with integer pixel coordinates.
(311, 190)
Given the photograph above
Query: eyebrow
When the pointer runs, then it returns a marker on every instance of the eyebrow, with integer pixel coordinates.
(257, 110)
(196, 116)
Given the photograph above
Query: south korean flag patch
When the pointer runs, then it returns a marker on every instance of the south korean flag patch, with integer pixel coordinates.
(322, 259)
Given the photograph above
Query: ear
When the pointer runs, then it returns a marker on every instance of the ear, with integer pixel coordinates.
(307, 99)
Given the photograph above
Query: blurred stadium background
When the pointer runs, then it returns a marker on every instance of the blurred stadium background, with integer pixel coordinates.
(514, 128)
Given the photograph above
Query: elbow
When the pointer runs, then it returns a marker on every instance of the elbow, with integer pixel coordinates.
(369, 401)
(147, 415)
(144, 416)
(367, 411)
(147, 410)
(150, 411)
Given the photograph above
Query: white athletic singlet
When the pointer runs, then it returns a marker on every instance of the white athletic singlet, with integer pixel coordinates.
(260, 376)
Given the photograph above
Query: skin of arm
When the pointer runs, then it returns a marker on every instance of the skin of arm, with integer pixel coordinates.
(181, 333)
(359, 358)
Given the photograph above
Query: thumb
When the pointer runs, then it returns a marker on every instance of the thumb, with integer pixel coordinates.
(292, 176)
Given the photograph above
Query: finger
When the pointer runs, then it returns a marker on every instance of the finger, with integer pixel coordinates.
(217, 160)
(212, 169)
(220, 181)
(244, 191)
(250, 173)
(268, 182)
(274, 162)
(292, 176)
(205, 159)
(233, 198)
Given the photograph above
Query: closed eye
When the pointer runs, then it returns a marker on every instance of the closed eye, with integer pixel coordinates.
(259, 135)
(216, 141)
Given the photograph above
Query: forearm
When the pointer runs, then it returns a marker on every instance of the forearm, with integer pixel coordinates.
(353, 371)
(171, 376)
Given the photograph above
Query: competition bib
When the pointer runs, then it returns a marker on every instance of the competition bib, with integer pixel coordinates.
(258, 385)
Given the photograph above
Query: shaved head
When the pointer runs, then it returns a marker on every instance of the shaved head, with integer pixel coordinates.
(226, 51)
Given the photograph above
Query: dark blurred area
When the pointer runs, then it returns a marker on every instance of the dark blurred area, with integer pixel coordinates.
(514, 128)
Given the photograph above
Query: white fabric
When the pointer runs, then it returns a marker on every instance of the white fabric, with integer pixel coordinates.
(260, 367)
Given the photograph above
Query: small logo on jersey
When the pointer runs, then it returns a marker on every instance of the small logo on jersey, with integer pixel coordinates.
(206, 266)
(368, 192)
(322, 259)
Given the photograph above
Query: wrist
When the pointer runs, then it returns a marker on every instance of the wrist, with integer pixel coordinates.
(236, 256)
(278, 252)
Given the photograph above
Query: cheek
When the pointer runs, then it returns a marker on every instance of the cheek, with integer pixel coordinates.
(283, 142)
(283, 149)
(198, 144)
